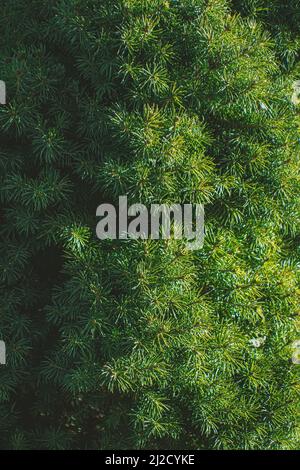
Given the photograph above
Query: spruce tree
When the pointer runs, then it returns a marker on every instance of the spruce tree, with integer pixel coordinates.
(144, 343)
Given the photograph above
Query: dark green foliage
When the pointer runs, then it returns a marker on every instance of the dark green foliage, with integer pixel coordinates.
(135, 344)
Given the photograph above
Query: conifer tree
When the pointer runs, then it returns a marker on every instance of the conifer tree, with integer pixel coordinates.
(146, 344)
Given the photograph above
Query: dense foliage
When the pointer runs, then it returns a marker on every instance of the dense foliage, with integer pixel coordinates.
(145, 344)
